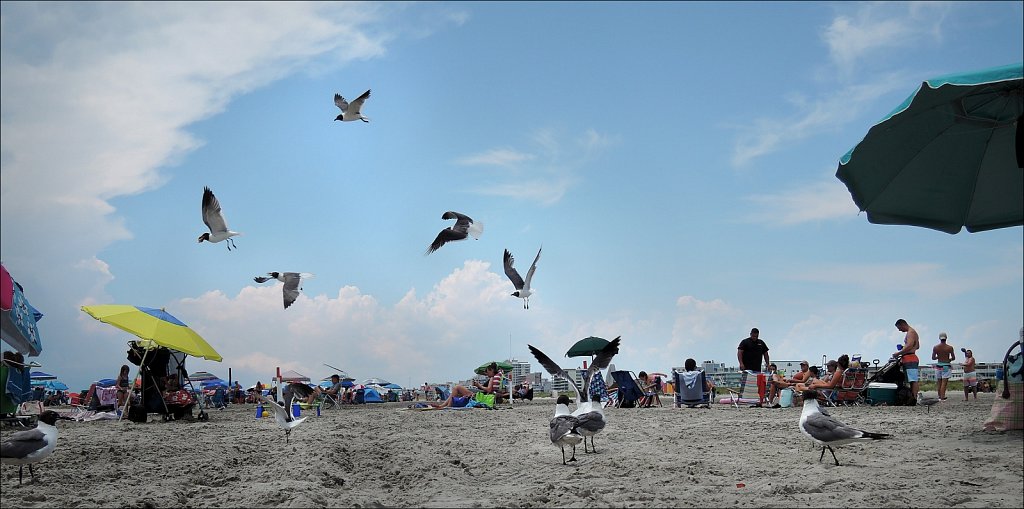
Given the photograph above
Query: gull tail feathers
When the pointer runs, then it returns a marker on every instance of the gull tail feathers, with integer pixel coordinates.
(476, 230)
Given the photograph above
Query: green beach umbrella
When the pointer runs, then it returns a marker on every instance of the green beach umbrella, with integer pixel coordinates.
(947, 157)
(587, 347)
(502, 365)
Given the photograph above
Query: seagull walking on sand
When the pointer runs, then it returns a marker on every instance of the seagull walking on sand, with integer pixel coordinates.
(828, 432)
(215, 222)
(464, 227)
(564, 428)
(588, 413)
(523, 289)
(291, 282)
(926, 401)
(31, 446)
(282, 411)
(350, 111)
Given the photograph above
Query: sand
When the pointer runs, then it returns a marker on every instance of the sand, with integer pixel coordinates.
(384, 456)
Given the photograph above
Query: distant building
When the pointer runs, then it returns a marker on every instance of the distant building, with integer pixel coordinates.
(560, 385)
(520, 370)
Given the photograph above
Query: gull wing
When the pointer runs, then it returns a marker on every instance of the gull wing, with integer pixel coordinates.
(533, 268)
(340, 102)
(291, 287)
(301, 390)
(562, 426)
(826, 429)
(511, 272)
(602, 360)
(211, 213)
(23, 443)
(555, 370)
(358, 103)
(445, 236)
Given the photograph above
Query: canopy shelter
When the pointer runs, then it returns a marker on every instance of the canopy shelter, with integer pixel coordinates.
(290, 375)
(18, 318)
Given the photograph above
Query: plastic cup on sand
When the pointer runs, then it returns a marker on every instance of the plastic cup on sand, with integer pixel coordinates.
(259, 411)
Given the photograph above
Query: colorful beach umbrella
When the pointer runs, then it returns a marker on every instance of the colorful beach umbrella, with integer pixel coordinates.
(39, 375)
(155, 325)
(202, 376)
(948, 157)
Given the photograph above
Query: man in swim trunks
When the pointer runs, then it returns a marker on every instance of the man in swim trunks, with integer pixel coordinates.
(944, 356)
(908, 354)
(970, 377)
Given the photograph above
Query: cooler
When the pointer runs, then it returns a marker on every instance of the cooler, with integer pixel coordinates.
(879, 393)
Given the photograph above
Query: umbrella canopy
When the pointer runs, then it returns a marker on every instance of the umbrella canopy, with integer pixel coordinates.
(155, 325)
(502, 365)
(290, 375)
(18, 318)
(39, 375)
(375, 381)
(393, 386)
(50, 385)
(587, 347)
(202, 376)
(216, 382)
(946, 157)
(342, 375)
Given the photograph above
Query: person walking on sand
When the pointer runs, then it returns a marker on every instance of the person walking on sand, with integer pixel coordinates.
(970, 377)
(908, 354)
(943, 355)
(750, 352)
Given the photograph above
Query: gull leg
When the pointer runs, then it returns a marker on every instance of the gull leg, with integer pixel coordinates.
(21, 468)
(593, 448)
(563, 456)
(31, 473)
(573, 458)
(833, 454)
(822, 454)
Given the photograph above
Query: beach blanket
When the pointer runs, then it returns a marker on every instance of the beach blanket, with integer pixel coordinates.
(80, 414)
(422, 407)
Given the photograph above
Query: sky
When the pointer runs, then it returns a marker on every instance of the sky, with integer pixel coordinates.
(676, 162)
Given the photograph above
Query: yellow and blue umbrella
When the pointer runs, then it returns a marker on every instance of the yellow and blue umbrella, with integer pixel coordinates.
(155, 325)
(948, 157)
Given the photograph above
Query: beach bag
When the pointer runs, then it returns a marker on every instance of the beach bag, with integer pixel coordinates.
(137, 413)
(1008, 408)
(486, 400)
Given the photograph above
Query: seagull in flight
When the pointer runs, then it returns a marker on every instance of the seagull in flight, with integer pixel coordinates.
(589, 414)
(523, 290)
(565, 428)
(826, 431)
(464, 227)
(291, 282)
(31, 446)
(350, 111)
(215, 221)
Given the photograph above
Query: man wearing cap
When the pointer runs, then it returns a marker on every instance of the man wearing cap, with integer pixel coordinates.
(943, 356)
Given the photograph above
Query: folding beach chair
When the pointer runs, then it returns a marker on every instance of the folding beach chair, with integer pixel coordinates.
(691, 389)
(629, 393)
(850, 390)
(753, 386)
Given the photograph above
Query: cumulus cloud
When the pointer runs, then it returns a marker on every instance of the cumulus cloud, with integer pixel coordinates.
(698, 321)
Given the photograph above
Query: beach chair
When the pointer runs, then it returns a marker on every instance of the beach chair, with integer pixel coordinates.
(691, 389)
(850, 390)
(629, 392)
(753, 387)
(651, 392)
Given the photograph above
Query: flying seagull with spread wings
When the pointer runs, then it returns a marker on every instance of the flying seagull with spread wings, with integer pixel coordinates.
(523, 289)
(291, 282)
(464, 227)
(350, 111)
(215, 221)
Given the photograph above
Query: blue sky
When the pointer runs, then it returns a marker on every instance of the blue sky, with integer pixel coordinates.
(675, 160)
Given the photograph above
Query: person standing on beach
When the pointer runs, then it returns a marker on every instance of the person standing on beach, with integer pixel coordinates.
(943, 356)
(750, 352)
(908, 354)
(970, 377)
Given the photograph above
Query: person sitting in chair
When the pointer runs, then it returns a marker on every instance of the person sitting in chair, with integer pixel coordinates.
(691, 365)
(334, 391)
(460, 395)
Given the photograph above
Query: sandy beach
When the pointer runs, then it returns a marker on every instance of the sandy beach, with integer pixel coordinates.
(388, 456)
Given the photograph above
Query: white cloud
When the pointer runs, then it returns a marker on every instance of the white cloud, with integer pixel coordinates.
(927, 280)
(698, 321)
(879, 26)
(544, 174)
(819, 201)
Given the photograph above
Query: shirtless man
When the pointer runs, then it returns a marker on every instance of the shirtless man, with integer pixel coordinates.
(970, 377)
(908, 354)
(944, 356)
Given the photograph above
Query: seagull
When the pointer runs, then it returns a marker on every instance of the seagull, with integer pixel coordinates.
(350, 111)
(291, 282)
(215, 221)
(590, 414)
(31, 446)
(564, 428)
(464, 227)
(523, 290)
(826, 431)
(283, 413)
(928, 402)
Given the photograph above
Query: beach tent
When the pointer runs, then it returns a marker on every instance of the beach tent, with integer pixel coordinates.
(370, 395)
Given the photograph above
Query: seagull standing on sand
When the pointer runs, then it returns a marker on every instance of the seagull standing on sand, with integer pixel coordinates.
(589, 414)
(523, 290)
(283, 411)
(464, 227)
(291, 282)
(826, 431)
(31, 446)
(564, 428)
(350, 111)
(215, 221)
(927, 402)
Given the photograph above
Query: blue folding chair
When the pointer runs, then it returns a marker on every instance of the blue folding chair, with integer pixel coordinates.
(629, 392)
(692, 389)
